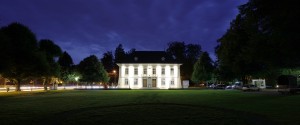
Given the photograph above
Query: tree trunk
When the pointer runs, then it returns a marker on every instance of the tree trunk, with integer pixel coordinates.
(45, 84)
(18, 85)
(246, 79)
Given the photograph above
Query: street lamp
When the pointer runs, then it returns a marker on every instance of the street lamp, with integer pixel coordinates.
(115, 75)
(76, 79)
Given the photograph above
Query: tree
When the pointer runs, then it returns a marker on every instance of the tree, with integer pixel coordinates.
(65, 60)
(261, 40)
(108, 61)
(4, 49)
(192, 53)
(119, 53)
(203, 68)
(67, 71)
(177, 50)
(25, 60)
(185, 54)
(52, 51)
(92, 70)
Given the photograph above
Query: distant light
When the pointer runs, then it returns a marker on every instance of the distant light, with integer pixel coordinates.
(76, 78)
(114, 71)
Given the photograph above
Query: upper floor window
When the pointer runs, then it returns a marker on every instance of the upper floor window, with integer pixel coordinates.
(135, 71)
(154, 71)
(163, 71)
(126, 71)
(172, 71)
(145, 71)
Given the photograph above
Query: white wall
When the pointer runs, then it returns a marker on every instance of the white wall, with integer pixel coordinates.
(168, 76)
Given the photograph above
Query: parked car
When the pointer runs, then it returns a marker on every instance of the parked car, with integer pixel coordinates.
(220, 86)
(212, 86)
(229, 87)
(237, 85)
(249, 87)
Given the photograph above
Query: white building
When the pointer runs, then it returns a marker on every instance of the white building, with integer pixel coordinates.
(149, 70)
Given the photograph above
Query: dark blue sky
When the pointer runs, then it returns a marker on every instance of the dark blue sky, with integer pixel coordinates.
(85, 27)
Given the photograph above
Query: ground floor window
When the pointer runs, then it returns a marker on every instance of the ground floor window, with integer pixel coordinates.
(172, 82)
(163, 82)
(126, 81)
(135, 81)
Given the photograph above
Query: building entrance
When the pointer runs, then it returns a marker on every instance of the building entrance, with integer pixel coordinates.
(149, 82)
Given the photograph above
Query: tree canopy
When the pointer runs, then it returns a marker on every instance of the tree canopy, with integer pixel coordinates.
(203, 68)
(92, 70)
(185, 54)
(65, 60)
(108, 61)
(119, 53)
(51, 50)
(67, 70)
(261, 39)
(25, 60)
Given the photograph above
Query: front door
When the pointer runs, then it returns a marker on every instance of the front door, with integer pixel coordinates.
(153, 82)
(144, 82)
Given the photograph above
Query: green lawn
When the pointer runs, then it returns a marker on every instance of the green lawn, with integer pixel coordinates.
(148, 107)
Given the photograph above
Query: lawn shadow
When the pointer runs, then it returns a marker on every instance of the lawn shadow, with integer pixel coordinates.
(157, 113)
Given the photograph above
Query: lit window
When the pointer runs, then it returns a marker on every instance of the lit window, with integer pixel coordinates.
(163, 82)
(135, 71)
(126, 81)
(135, 81)
(145, 71)
(154, 71)
(126, 71)
(163, 71)
(172, 71)
(172, 82)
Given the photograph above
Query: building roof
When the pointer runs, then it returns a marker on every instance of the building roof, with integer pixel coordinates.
(149, 57)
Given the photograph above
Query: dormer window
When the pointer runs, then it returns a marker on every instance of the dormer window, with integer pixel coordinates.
(136, 58)
(163, 58)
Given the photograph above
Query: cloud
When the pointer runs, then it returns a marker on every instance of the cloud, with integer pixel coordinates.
(93, 27)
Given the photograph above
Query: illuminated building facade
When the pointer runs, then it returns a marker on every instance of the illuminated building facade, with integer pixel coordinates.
(149, 70)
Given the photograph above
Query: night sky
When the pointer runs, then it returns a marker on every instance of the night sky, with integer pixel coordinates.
(85, 27)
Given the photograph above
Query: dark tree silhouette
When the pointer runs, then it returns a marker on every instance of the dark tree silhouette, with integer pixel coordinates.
(52, 51)
(92, 70)
(25, 60)
(119, 53)
(261, 40)
(185, 54)
(65, 60)
(108, 61)
(203, 69)
(67, 70)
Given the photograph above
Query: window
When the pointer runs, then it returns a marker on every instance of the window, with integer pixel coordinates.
(172, 82)
(135, 71)
(172, 71)
(135, 81)
(154, 71)
(126, 81)
(126, 71)
(145, 71)
(163, 82)
(163, 71)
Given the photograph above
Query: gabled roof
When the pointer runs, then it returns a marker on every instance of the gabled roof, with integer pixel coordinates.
(149, 57)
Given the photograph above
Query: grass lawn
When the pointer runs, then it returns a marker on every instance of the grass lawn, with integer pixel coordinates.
(149, 107)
